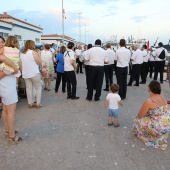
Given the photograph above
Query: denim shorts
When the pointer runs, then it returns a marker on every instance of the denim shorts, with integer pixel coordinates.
(114, 113)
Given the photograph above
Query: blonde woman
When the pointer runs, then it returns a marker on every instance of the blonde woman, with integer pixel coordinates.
(30, 72)
(9, 97)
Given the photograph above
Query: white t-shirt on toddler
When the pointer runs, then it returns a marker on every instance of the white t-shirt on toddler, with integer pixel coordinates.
(113, 100)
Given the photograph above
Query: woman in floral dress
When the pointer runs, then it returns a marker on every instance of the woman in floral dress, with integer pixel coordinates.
(152, 124)
(47, 66)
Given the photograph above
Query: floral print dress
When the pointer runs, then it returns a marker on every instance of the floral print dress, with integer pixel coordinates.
(47, 64)
(153, 129)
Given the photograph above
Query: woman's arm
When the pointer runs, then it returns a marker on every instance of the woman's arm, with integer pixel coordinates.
(1, 50)
(37, 58)
(144, 109)
(8, 62)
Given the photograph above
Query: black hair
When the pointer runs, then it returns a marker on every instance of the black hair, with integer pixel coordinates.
(122, 43)
(2, 38)
(70, 45)
(144, 46)
(98, 42)
(160, 44)
(155, 87)
(89, 46)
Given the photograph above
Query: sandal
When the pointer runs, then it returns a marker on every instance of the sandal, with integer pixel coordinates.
(45, 88)
(7, 133)
(14, 139)
(38, 106)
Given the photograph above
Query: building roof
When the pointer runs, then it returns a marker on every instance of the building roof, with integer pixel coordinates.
(58, 36)
(5, 17)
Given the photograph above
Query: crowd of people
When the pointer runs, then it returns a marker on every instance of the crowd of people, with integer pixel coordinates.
(152, 122)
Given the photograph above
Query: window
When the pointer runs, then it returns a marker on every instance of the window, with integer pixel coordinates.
(3, 34)
(19, 37)
(37, 40)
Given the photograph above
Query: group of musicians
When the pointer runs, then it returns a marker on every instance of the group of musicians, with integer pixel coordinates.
(140, 62)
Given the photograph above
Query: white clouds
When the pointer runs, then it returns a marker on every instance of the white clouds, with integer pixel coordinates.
(140, 18)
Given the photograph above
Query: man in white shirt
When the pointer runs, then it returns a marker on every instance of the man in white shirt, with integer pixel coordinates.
(137, 60)
(108, 68)
(97, 58)
(69, 72)
(123, 58)
(151, 61)
(78, 59)
(145, 66)
(160, 63)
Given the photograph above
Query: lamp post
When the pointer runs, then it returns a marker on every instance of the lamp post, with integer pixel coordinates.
(63, 12)
(79, 28)
(85, 33)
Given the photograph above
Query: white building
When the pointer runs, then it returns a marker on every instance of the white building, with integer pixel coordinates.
(21, 29)
(56, 39)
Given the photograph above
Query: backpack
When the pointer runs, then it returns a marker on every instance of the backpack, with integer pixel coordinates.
(162, 55)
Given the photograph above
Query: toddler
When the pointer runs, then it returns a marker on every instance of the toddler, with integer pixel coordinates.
(11, 51)
(114, 100)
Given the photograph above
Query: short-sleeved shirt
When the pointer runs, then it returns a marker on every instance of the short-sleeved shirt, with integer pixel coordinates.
(96, 56)
(158, 52)
(111, 56)
(68, 56)
(145, 56)
(113, 100)
(60, 63)
(137, 57)
(123, 57)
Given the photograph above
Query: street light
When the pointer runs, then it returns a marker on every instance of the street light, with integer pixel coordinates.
(63, 12)
(85, 33)
(79, 28)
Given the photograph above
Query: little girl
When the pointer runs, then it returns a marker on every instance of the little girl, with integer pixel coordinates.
(114, 101)
(11, 51)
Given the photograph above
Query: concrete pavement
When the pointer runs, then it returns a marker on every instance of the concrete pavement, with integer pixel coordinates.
(73, 135)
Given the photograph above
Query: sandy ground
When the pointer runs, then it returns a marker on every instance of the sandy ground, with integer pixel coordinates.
(73, 135)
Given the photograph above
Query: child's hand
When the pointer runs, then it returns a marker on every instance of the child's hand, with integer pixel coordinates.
(105, 106)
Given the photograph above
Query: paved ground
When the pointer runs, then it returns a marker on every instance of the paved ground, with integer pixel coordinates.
(73, 135)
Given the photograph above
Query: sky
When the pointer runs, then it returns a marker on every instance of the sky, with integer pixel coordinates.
(104, 19)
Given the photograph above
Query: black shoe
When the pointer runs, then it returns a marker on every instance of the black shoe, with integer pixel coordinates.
(87, 98)
(161, 82)
(142, 82)
(82, 73)
(129, 85)
(96, 99)
(64, 91)
(110, 124)
(106, 89)
(74, 98)
(116, 125)
(56, 91)
(68, 97)
(136, 84)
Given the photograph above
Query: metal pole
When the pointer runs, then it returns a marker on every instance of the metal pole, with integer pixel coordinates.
(63, 22)
(85, 34)
(79, 28)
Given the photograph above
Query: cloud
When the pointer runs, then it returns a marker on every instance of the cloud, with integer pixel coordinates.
(135, 1)
(139, 18)
(97, 2)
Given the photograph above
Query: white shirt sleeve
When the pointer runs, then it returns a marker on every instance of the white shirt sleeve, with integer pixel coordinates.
(118, 97)
(107, 97)
(87, 55)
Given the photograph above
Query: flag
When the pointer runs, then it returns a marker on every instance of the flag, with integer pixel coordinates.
(148, 45)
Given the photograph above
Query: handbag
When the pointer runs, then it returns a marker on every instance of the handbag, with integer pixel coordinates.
(162, 55)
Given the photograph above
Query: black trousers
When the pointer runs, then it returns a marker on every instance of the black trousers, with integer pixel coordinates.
(159, 68)
(58, 80)
(135, 74)
(87, 74)
(108, 71)
(144, 71)
(80, 65)
(96, 74)
(121, 75)
(71, 83)
(151, 68)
